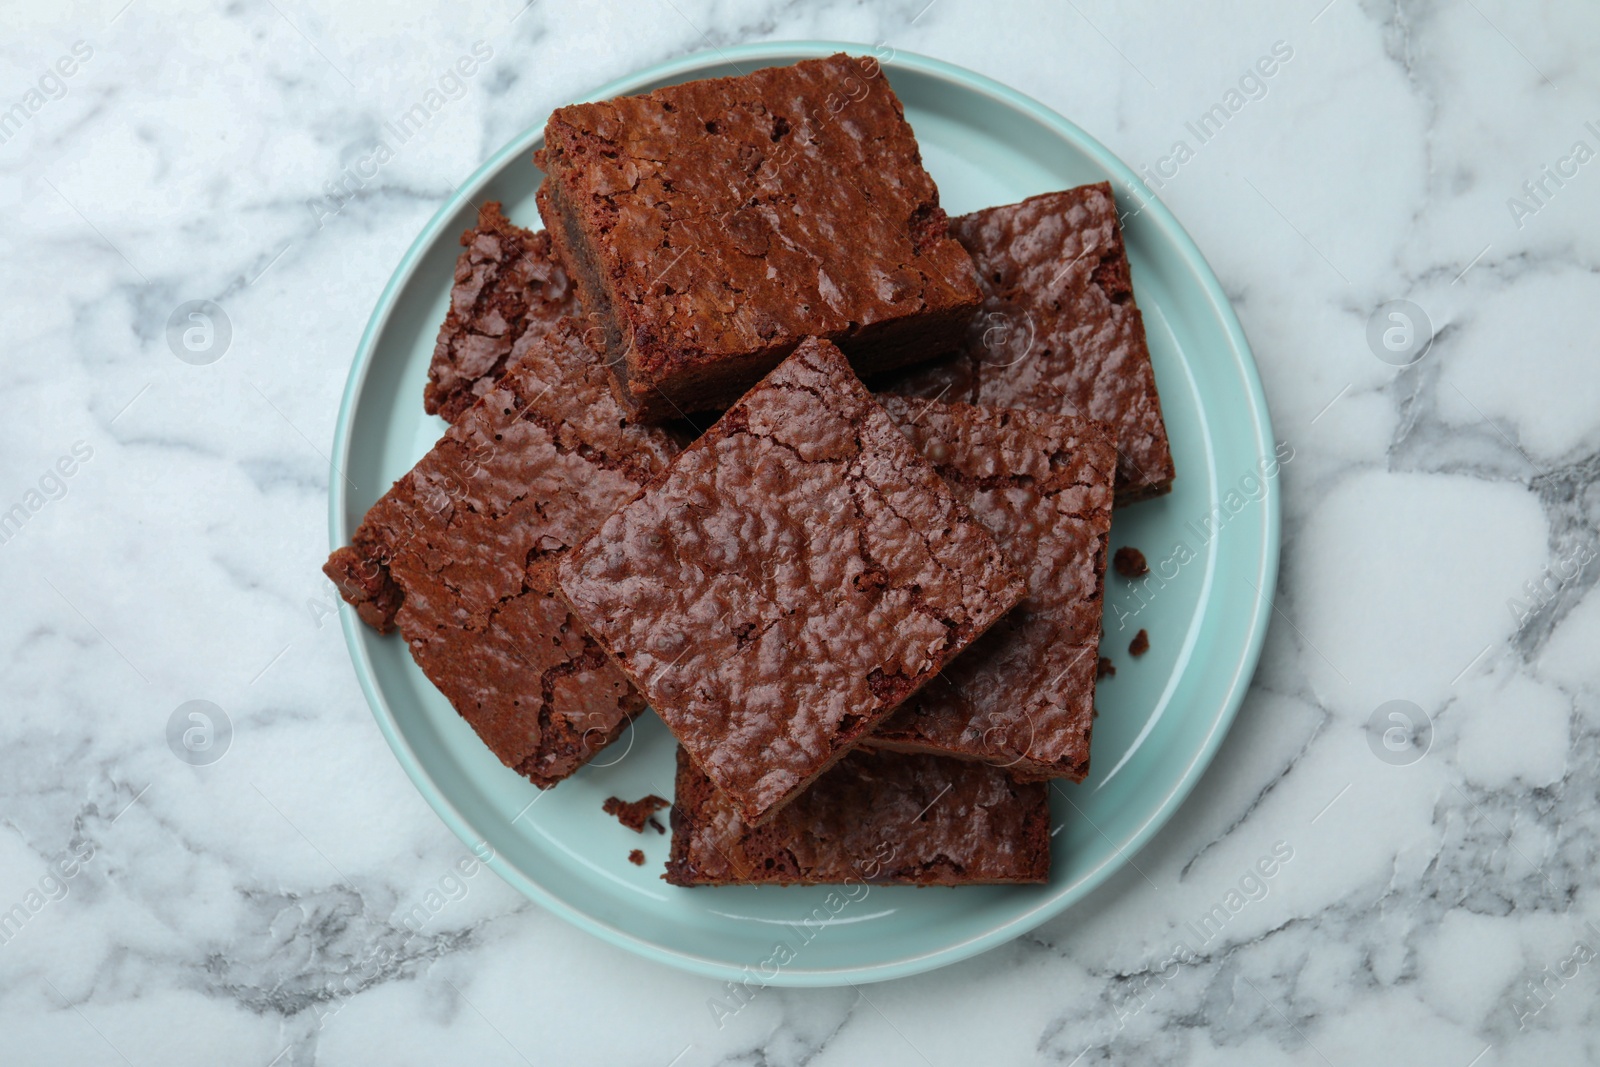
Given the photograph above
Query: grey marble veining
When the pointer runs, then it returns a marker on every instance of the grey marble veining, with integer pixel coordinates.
(297, 903)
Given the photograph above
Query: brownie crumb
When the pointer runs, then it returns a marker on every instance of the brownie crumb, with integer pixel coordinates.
(634, 814)
(1140, 643)
(1129, 562)
(636, 857)
(1106, 668)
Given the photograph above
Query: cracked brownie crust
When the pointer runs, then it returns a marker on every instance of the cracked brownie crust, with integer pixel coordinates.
(1023, 695)
(461, 554)
(796, 574)
(1059, 330)
(508, 283)
(875, 817)
(715, 224)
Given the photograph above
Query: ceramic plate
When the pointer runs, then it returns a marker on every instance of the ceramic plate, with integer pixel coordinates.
(1213, 543)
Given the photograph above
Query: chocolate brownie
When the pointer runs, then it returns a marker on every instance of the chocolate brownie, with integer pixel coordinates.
(1023, 695)
(715, 224)
(461, 555)
(1140, 643)
(1059, 328)
(508, 283)
(878, 817)
(797, 573)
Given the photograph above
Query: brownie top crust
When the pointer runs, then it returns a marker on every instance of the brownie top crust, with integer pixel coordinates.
(735, 216)
(461, 552)
(1023, 695)
(874, 817)
(797, 573)
(1059, 329)
(508, 282)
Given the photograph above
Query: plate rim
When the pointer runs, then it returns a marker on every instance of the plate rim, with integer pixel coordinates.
(1197, 266)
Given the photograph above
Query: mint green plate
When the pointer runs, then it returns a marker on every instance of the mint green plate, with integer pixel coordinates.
(1161, 718)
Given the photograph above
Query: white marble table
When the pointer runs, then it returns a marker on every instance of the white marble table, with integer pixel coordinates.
(1439, 544)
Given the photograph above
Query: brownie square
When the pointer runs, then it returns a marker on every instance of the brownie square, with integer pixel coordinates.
(508, 283)
(461, 555)
(875, 817)
(713, 225)
(1023, 695)
(1059, 330)
(796, 574)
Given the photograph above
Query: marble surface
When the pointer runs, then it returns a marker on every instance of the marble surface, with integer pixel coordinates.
(1439, 549)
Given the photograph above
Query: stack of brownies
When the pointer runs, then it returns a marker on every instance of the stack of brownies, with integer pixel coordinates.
(869, 613)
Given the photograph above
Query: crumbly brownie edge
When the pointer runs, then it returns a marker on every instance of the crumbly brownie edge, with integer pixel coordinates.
(1023, 768)
(561, 223)
(563, 748)
(562, 759)
(363, 581)
(449, 391)
(565, 743)
(1134, 494)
